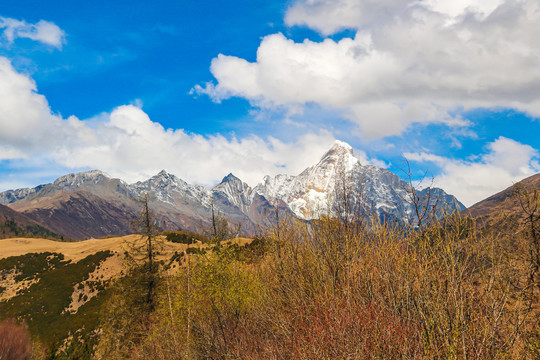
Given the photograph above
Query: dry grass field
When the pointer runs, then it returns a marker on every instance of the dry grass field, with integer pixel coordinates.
(76, 251)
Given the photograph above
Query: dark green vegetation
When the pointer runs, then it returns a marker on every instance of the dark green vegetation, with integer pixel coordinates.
(41, 306)
(185, 237)
(31, 265)
(10, 228)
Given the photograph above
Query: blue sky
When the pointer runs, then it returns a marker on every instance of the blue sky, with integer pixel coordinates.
(262, 87)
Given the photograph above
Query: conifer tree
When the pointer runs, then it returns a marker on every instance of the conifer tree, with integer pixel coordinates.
(126, 318)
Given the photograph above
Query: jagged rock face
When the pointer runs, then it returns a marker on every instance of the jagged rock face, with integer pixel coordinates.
(81, 179)
(10, 196)
(308, 193)
(182, 205)
(237, 192)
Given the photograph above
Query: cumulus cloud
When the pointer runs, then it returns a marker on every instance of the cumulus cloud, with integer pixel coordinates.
(128, 144)
(26, 121)
(505, 163)
(409, 62)
(331, 16)
(43, 31)
(134, 147)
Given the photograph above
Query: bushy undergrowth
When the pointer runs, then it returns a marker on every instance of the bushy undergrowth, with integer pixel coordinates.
(31, 264)
(185, 237)
(335, 289)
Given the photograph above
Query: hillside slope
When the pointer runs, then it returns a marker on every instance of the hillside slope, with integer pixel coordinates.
(15, 224)
(502, 208)
(78, 215)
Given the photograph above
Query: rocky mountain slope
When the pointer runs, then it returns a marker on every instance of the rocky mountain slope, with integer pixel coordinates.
(92, 204)
(79, 214)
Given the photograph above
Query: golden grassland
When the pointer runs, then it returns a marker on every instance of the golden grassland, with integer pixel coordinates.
(110, 268)
(78, 250)
(74, 251)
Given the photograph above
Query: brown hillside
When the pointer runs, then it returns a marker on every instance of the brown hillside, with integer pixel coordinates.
(13, 223)
(78, 215)
(502, 208)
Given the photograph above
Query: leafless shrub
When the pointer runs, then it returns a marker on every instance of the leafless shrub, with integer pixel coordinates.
(15, 342)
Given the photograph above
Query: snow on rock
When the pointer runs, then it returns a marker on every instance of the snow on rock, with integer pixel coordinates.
(310, 193)
(236, 191)
(170, 189)
(82, 178)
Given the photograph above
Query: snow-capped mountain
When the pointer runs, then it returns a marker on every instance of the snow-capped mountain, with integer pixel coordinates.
(236, 191)
(183, 205)
(169, 189)
(82, 179)
(382, 192)
(307, 194)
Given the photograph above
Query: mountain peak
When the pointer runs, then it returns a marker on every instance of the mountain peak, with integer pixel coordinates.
(164, 177)
(163, 174)
(341, 153)
(78, 179)
(93, 173)
(230, 178)
(342, 144)
(340, 149)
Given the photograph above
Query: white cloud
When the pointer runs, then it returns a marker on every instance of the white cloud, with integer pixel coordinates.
(331, 16)
(409, 62)
(24, 113)
(506, 162)
(26, 121)
(366, 160)
(456, 8)
(8, 153)
(43, 31)
(128, 144)
(133, 147)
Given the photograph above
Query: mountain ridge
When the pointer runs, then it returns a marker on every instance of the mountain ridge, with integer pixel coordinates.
(190, 206)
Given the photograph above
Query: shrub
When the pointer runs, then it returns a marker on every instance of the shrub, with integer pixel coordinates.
(196, 251)
(184, 237)
(336, 290)
(15, 343)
